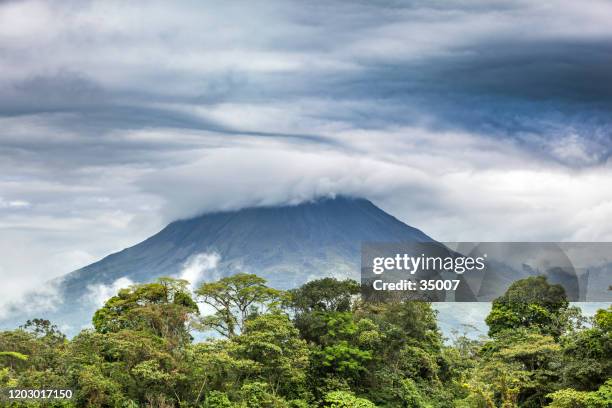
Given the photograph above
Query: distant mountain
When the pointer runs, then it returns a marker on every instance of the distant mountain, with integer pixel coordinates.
(287, 245)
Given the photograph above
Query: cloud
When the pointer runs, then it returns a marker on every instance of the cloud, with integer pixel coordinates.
(13, 204)
(454, 186)
(99, 294)
(198, 266)
(194, 271)
(43, 298)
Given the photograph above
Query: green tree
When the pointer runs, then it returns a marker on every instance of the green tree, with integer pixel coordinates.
(108, 369)
(258, 395)
(530, 303)
(344, 399)
(340, 347)
(324, 295)
(281, 357)
(217, 399)
(214, 366)
(33, 355)
(44, 329)
(587, 354)
(234, 299)
(313, 304)
(163, 308)
(570, 398)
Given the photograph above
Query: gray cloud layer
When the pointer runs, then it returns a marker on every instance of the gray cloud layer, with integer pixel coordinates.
(470, 120)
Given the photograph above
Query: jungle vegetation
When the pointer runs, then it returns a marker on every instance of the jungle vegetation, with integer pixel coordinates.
(319, 345)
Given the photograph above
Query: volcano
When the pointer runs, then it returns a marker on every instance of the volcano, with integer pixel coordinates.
(287, 245)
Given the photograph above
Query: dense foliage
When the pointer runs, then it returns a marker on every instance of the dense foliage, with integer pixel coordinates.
(315, 346)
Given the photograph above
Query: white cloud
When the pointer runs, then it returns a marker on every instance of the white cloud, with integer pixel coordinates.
(99, 294)
(198, 266)
(43, 298)
(13, 204)
(454, 186)
(574, 149)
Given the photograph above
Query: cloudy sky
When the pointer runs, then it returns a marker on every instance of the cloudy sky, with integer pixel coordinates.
(470, 120)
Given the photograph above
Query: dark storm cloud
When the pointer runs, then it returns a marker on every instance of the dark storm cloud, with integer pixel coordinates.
(81, 105)
(392, 64)
(500, 86)
(504, 86)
